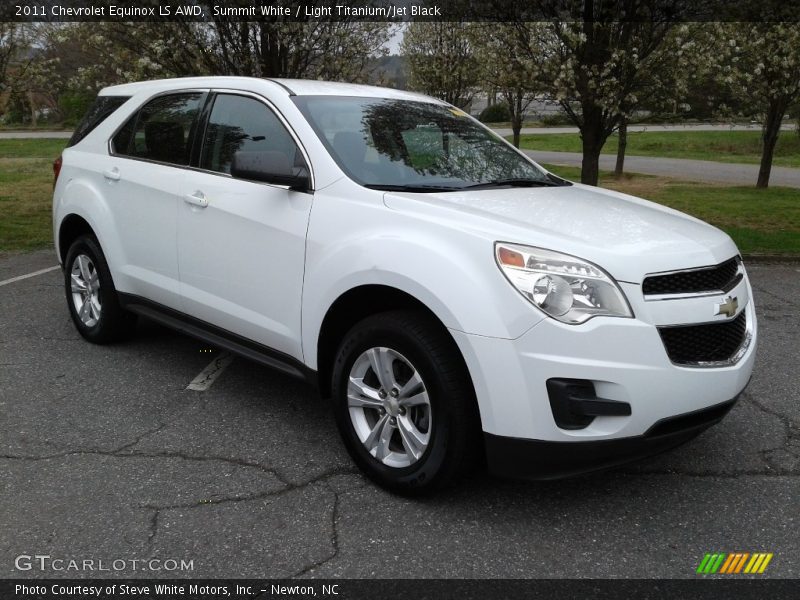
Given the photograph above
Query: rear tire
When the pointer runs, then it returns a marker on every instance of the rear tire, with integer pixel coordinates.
(91, 296)
(420, 434)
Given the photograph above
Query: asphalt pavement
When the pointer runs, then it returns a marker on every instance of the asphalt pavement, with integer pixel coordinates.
(678, 168)
(652, 127)
(105, 455)
(504, 131)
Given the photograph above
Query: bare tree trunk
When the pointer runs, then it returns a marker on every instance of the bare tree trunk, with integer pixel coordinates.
(516, 118)
(619, 168)
(590, 165)
(772, 128)
(32, 104)
(516, 128)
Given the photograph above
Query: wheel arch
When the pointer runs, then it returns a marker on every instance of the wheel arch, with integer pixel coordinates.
(355, 305)
(71, 228)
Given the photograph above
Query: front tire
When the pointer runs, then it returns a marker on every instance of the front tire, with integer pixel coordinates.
(91, 295)
(404, 402)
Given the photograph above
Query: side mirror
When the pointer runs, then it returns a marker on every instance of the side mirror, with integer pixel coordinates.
(270, 167)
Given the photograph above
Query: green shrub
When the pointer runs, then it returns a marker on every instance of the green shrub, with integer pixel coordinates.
(553, 119)
(73, 105)
(496, 113)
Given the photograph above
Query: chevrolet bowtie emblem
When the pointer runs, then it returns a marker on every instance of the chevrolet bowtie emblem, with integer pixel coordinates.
(727, 307)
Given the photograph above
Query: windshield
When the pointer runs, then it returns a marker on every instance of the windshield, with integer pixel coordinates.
(397, 144)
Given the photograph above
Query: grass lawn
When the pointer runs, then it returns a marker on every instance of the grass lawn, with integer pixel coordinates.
(760, 221)
(722, 146)
(26, 192)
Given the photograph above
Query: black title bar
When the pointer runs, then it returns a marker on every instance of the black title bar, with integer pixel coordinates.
(398, 10)
(419, 589)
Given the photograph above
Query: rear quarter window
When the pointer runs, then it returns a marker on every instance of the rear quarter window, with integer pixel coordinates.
(99, 111)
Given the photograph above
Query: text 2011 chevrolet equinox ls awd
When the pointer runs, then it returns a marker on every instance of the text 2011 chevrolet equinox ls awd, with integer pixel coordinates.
(454, 299)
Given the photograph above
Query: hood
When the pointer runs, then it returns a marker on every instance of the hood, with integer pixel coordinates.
(627, 236)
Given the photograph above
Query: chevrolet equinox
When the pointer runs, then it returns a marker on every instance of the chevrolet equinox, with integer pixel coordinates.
(456, 301)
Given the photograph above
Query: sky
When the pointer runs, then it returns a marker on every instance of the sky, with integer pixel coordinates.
(394, 43)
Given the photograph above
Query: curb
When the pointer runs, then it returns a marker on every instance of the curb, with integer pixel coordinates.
(771, 258)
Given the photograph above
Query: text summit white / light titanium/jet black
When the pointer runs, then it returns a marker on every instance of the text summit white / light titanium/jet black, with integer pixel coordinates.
(451, 297)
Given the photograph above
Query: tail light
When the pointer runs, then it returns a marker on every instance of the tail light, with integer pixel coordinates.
(56, 170)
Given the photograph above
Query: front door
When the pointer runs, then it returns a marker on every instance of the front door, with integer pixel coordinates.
(241, 244)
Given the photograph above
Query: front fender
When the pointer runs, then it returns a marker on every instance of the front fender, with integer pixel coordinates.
(452, 272)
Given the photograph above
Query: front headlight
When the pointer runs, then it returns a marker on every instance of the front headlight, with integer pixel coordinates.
(565, 287)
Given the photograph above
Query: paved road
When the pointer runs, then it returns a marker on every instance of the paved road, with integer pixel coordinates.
(26, 135)
(501, 130)
(505, 131)
(679, 168)
(104, 454)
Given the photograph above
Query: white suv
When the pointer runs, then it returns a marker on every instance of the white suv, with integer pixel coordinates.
(454, 299)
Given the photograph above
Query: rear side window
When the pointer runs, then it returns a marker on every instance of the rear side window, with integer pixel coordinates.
(162, 129)
(238, 123)
(99, 111)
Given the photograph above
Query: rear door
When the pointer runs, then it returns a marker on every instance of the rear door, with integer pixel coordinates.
(241, 244)
(149, 155)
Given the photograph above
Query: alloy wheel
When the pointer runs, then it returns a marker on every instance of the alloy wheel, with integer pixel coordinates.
(389, 407)
(85, 287)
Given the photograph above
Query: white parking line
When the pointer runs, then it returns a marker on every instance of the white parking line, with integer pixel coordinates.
(209, 375)
(34, 274)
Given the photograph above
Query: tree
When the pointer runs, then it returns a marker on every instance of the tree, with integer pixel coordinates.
(664, 79)
(593, 66)
(761, 64)
(27, 72)
(338, 51)
(505, 67)
(441, 61)
(10, 35)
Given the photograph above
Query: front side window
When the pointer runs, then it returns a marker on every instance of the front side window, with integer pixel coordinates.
(161, 130)
(398, 144)
(243, 124)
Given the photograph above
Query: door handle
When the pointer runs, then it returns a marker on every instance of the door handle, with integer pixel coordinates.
(111, 174)
(198, 199)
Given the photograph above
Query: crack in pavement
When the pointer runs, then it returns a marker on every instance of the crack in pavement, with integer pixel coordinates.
(334, 539)
(321, 478)
(153, 530)
(771, 294)
(119, 454)
(288, 487)
(792, 436)
(774, 470)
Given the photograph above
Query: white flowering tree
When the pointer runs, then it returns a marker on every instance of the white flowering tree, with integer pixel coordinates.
(10, 34)
(506, 67)
(761, 64)
(663, 80)
(595, 68)
(441, 60)
(29, 73)
(338, 50)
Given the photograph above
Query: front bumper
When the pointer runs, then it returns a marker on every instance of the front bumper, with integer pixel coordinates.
(540, 459)
(625, 361)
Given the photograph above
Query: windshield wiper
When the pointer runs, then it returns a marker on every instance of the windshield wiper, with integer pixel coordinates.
(411, 188)
(515, 182)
